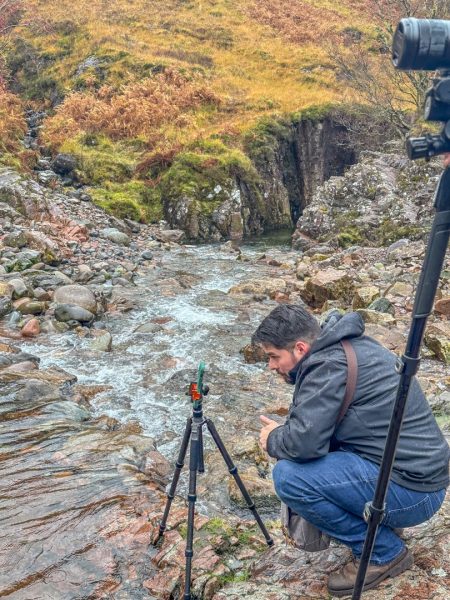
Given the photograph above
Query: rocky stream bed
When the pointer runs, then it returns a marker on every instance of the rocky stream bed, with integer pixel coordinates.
(103, 324)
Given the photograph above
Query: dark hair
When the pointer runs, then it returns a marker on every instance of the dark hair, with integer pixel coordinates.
(286, 324)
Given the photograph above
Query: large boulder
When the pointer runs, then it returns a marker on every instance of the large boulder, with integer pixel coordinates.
(365, 296)
(330, 284)
(23, 196)
(63, 164)
(381, 199)
(76, 295)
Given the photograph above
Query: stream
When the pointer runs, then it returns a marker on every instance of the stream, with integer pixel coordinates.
(71, 486)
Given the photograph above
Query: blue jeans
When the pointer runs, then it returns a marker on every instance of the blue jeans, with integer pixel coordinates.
(331, 492)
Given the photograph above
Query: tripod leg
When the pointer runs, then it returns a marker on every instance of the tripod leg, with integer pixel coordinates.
(196, 451)
(408, 366)
(201, 462)
(176, 477)
(233, 470)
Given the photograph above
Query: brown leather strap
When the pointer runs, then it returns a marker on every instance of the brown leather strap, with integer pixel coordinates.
(352, 375)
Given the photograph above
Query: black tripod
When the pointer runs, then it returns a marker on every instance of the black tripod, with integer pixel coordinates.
(408, 365)
(194, 433)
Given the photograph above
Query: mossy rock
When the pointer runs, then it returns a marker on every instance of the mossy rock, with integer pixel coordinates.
(262, 142)
(390, 231)
(199, 181)
(132, 200)
(350, 236)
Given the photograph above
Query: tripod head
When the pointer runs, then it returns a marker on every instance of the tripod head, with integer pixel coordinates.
(197, 389)
(437, 108)
(424, 44)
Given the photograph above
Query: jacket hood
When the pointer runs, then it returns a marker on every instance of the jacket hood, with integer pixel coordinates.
(337, 327)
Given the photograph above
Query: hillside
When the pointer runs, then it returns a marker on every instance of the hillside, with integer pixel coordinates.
(163, 100)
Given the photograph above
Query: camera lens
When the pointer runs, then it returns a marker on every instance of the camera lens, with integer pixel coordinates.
(422, 44)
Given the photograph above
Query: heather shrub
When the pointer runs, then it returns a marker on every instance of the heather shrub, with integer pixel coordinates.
(135, 110)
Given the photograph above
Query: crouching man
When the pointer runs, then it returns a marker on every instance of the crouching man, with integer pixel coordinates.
(326, 472)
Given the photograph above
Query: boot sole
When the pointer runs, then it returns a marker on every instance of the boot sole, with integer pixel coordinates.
(403, 565)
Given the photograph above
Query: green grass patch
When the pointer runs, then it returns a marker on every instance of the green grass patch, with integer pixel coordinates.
(234, 577)
(100, 160)
(132, 199)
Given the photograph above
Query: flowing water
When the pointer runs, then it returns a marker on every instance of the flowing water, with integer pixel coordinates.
(203, 322)
(64, 479)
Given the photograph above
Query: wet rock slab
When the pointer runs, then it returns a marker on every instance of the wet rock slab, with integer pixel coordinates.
(74, 500)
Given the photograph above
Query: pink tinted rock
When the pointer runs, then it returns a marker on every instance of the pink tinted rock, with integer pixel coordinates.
(31, 329)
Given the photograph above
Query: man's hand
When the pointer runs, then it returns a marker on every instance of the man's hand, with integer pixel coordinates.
(446, 158)
(268, 426)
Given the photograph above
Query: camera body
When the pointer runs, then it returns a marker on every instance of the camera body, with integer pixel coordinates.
(424, 44)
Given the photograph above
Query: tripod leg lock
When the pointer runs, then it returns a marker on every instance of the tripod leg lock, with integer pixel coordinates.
(192, 497)
(372, 514)
(407, 365)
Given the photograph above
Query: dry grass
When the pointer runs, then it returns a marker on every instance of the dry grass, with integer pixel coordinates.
(227, 64)
(137, 110)
(259, 57)
(12, 121)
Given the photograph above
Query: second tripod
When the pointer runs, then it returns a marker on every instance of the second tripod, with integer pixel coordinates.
(194, 433)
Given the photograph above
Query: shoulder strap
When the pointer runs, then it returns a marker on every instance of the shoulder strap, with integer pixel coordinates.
(352, 375)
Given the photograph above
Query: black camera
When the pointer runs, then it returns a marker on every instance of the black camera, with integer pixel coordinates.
(424, 44)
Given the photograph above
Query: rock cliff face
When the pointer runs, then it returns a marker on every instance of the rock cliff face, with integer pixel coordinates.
(379, 200)
(289, 160)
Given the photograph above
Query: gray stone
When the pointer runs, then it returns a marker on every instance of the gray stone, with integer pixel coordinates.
(48, 281)
(103, 343)
(14, 318)
(17, 239)
(170, 235)
(7, 211)
(5, 306)
(78, 295)
(147, 255)
(32, 308)
(41, 294)
(114, 235)
(84, 274)
(63, 164)
(72, 312)
(47, 177)
(382, 305)
(19, 287)
(23, 260)
(149, 328)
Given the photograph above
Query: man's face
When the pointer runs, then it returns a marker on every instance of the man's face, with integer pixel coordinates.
(284, 360)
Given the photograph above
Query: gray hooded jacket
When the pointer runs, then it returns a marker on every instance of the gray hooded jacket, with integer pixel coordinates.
(422, 457)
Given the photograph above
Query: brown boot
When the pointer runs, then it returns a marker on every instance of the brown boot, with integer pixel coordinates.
(341, 582)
